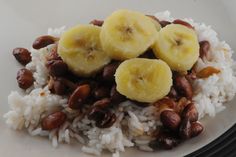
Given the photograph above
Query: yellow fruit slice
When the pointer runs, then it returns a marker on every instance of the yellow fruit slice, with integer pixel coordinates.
(127, 34)
(155, 22)
(80, 48)
(143, 80)
(178, 46)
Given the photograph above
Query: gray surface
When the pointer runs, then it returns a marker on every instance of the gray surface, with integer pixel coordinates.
(22, 21)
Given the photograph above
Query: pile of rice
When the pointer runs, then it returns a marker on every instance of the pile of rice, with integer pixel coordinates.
(27, 108)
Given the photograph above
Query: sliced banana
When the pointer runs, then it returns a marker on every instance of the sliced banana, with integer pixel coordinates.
(80, 48)
(127, 34)
(155, 22)
(178, 46)
(143, 80)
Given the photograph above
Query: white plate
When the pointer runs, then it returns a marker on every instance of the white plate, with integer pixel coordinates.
(22, 21)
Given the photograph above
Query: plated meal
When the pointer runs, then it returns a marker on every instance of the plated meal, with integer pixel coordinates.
(132, 80)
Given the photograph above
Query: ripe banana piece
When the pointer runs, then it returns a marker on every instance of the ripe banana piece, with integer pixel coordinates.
(178, 46)
(143, 80)
(155, 22)
(127, 34)
(80, 48)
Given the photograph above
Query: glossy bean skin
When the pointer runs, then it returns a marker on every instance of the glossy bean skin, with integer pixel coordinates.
(164, 23)
(97, 22)
(183, 86)
(170, 119)
(190, 112)
(196, 129)
(109, 71)
(103, 117)
(79, 96)
(22, 55)
(184, 23)
(57, 68)
(53, 120)
(24, 78)
(116, 97)
(43, 41)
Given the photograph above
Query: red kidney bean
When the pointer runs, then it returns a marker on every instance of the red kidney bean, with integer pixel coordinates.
(190, 112)
(116, 97)
(101, 92)
(109, 71)
(103, 118)
(103, 103)
(79, 96)
(168, 142)
(182, 103)
(183, 86)
(164, 23)
(185, 129)
(25, 78)
(97, 22)
(43, 41)
(82, 81)
(196, 129)
(96, 113)
(173, 94)
(71, 86)
(191, 76)
(170, 119)
(184, 23)
(59, 87)
(22, 55)
(164, 142)
(53, 121)
(57, 67)
(204, 49)
(107, 122)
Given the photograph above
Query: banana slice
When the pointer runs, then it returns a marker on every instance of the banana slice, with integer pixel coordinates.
(127, 34)
(143, 80)
(155, 22)
(178, 46)
(80, 48)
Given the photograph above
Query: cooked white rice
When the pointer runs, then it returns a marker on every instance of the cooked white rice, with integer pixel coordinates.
(26, 109)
